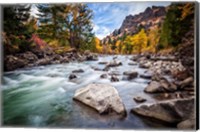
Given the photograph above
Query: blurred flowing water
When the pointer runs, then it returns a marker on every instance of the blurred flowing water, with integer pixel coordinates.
(42, 97)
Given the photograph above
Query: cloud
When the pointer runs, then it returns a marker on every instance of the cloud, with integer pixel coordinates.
(101, 31)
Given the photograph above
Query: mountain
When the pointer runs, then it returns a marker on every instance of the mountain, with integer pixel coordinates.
(151, 17)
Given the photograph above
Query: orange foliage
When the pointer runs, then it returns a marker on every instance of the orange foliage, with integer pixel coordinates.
(38, 41)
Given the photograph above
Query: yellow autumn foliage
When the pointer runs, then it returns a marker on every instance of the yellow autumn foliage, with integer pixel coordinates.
(136, 43)
(187, 10)
(153, 40)
(98, 45)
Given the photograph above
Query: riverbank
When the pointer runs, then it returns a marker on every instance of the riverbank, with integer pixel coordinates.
(159, 86)
(139, 80)
(40, 58)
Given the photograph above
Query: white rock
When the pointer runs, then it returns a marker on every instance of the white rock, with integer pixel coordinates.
(102, 97)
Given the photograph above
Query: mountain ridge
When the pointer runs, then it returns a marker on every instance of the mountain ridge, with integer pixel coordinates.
(149, 18)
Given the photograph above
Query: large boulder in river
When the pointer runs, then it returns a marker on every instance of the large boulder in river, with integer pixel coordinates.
(102, 97)
(171, 111)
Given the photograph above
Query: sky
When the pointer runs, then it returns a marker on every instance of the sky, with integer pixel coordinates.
(109, 16)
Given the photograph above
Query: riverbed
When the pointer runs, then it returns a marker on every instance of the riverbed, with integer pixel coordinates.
(42, 96)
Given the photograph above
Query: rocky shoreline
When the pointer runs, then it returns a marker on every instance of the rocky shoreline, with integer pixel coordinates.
(169, 78)
(38, 58)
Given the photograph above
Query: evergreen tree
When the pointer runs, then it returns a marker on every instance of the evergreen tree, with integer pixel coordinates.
(15, 29)
(70, 22)
(176, 24)
(51, 21)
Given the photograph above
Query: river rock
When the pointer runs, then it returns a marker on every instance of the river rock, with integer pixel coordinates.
(158, 77)
(187, 82)
(87, 52)
(115, 57)
(146, 75)
(56, 57)
(171, 111)
(114, 79)
(139, 99)
(115, 73)
(103, 62)
(44, 61)
(72, 76)
(64, 59)
(178, 95)
(101, 97)
(164, 83)
(148, 56)
(135, 57)
(132, 63)
(104, 76)
(144, 65)
(114, 64)
(131, 74)
(154, 87)
(40, 53)
(55, 62)
(90, 56)
(191, 93)
(96, 68)
(181, 75)
(11, 63)
(163, 58)
(161, 86)
(172, 87)
(78, 71)
(187, 124)
(28, 56)
(142, 59)
(81, 58)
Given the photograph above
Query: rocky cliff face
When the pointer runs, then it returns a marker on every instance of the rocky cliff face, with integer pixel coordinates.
(151, 17)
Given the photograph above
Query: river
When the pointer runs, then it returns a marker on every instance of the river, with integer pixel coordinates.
(42, 97)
